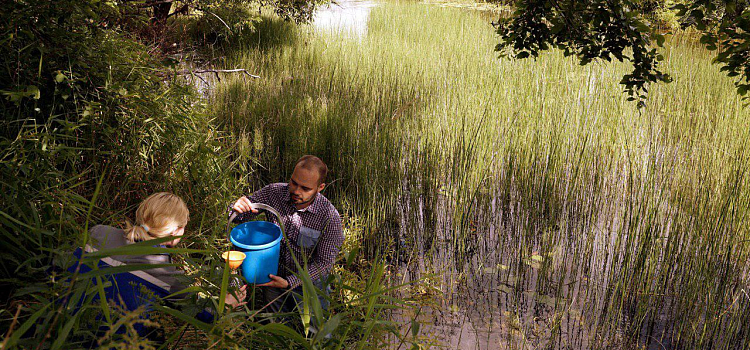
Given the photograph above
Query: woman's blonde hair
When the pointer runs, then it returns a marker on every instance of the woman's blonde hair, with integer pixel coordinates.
(158, 216)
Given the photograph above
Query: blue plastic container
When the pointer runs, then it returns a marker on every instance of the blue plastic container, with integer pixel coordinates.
(260, 241)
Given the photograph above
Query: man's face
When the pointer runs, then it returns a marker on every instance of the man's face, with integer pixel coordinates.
(303, 186)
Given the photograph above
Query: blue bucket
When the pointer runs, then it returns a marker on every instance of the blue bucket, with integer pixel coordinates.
(259, 240)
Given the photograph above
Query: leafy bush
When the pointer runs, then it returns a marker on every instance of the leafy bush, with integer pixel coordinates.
(658, 12)
(219, 23)
(82, 100)
(93, 120)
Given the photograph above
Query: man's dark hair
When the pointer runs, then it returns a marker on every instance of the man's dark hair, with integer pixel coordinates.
(311, 162)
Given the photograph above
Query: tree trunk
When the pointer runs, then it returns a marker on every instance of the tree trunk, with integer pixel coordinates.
(161, 12)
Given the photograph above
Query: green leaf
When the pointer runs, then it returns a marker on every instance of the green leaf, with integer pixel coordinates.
(286, 332)
(697, 14)
(414, 328)
(65, 332)
(642, 27)
(224, 286)
(190, 289)
(351, 256)
(33, 92)
(103, 299)
(329, 327)
(191, 320)
(25, 327)
(659, 39)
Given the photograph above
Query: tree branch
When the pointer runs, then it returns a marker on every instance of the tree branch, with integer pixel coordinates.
(216, 72)
(155, 3)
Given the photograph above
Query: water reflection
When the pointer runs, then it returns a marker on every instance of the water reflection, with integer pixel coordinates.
(539, 263)
(347, 16)
(507, 288)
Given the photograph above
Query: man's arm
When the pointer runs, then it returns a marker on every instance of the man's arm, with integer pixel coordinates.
(242, 205)
(325, 253)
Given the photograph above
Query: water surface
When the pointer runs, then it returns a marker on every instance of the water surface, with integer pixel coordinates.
(546, 261)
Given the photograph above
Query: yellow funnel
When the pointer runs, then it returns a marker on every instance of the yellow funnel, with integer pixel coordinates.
(235, 258)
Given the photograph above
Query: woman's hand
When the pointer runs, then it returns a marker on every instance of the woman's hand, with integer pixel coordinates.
(233, 302)
(244, 205)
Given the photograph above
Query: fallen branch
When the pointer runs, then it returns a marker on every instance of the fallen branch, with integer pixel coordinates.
(217, 71)
(227, 71)
(201, 78)
(217, 16)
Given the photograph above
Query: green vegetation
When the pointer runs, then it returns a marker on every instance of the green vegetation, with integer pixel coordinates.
(540, 197)
(95, 117)
(539, 176)
(629, 31)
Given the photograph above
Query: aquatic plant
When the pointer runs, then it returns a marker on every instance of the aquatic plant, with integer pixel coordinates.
(614, 226)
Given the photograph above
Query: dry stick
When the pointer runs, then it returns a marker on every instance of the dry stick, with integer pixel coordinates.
(215, 15)
(730, 306)
(237, 70)
(179, 339)
(200, 77)
(409, 329)
(216, 72)
(12, 325)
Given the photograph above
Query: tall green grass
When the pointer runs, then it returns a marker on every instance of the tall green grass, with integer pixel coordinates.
(536, 180)
(87, 130)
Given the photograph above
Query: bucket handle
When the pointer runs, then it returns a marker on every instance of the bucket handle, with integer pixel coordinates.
(257, 206)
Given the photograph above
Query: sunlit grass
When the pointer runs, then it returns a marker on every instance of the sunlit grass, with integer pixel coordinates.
(438, 146)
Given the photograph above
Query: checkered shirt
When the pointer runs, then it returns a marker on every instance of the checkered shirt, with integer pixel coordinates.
(319, 216)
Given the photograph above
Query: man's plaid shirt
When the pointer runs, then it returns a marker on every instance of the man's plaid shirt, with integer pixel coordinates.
(314, 231)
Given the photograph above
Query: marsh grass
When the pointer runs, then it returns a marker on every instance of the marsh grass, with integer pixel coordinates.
(108, 127)
(621, 226)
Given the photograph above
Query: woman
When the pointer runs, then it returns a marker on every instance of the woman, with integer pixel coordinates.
(161, 215)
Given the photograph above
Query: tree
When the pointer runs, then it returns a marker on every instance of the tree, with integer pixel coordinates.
(297, 10)
(616, 29)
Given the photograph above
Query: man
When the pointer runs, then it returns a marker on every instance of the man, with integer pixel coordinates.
(313, 229)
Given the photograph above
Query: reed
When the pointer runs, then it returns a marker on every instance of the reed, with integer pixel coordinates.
(628, 225)
(103, 129)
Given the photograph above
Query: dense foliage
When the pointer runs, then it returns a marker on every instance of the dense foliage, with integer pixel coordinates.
(725, 28)
(96, 114)
(626, 30)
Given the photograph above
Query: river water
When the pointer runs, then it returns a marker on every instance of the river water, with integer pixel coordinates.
(349, 17)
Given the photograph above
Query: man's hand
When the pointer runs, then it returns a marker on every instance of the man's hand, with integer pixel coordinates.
(233, 302)
(244, 205)
(276, 282)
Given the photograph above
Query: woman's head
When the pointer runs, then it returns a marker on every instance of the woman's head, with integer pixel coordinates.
(160, 215)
